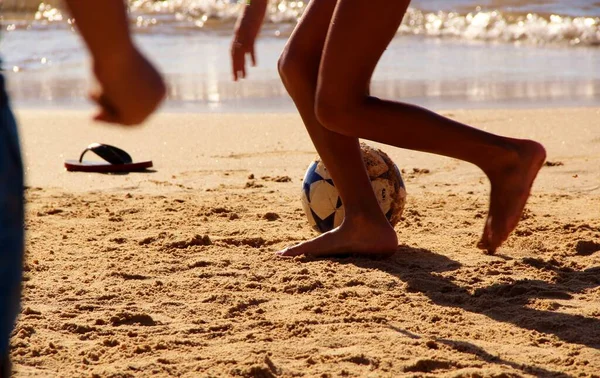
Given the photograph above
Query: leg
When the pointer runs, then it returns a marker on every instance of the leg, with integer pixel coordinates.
(299, 66)
(358, 36)
(11, 230)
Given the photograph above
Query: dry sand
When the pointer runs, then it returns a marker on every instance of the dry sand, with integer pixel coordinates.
(172, 272)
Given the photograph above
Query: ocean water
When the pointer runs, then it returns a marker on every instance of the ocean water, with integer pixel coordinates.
(447, 54)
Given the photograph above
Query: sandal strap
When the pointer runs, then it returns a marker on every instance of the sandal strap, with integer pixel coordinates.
(109, 153)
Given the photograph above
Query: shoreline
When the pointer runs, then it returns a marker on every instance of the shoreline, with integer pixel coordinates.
(282, 105)
(439, 74)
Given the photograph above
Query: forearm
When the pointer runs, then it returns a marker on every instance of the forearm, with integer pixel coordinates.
(104, 26)
(250, 21)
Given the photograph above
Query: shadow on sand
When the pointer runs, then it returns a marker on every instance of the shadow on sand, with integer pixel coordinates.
(506, 303)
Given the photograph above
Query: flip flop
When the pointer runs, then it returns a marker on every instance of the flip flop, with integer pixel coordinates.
(117, 160)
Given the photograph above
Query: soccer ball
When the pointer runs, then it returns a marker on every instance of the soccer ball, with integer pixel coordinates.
(323, 206)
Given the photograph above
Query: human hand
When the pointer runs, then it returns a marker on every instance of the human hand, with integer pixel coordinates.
(246, 31)
(129, 88)
(239, 50)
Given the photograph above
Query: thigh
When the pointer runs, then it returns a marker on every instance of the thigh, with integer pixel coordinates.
(359, 33)
(308, 38)
(11, 224)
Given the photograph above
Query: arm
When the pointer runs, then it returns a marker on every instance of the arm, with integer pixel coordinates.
(130, 87)
(104, 27)
(246, 31)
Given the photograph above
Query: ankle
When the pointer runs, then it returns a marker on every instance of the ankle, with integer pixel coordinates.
(365, 216)
(517, 153)
(503, 158)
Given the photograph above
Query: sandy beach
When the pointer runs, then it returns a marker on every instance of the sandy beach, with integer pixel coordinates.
(172, 272)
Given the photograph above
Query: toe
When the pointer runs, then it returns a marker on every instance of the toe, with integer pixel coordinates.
(289, 252)
(486, 237)
(486, 247)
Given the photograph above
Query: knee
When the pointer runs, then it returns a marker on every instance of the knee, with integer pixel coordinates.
(285, 67)
(297, 68)
(336, 113)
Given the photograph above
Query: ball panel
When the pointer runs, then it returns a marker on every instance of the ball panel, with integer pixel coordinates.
(375, 164)
(399, 199)
(396, 175)
(321, 170)
(307, 210)
(325, 224)
(385, 193)
(338, 218)
(309, 177)
(323, 198)
(339, 203)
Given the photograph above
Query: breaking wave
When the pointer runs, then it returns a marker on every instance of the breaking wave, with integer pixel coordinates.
(184, 16)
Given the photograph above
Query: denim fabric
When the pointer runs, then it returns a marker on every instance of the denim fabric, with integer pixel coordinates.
(11, 224)
(3, 96)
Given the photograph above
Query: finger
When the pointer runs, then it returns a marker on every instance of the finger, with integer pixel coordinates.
(104, 103)
(234, 67)
(253, 57)
(103, 116)
(239, 74)
(485, 243)
(106, 113)
(94, 97)
(237, 62)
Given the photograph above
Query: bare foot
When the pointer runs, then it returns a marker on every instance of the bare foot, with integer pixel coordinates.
(354, 237)
(511, 184)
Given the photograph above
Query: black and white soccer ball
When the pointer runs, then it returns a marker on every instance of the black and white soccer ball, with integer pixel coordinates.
(323, 206)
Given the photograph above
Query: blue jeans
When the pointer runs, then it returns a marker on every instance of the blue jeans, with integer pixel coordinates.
(11, 222)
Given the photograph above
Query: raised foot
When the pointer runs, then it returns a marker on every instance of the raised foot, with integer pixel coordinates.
(511, 182)
(362, 239)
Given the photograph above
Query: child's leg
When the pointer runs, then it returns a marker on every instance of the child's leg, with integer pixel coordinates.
(299, 66)
(356, 40)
